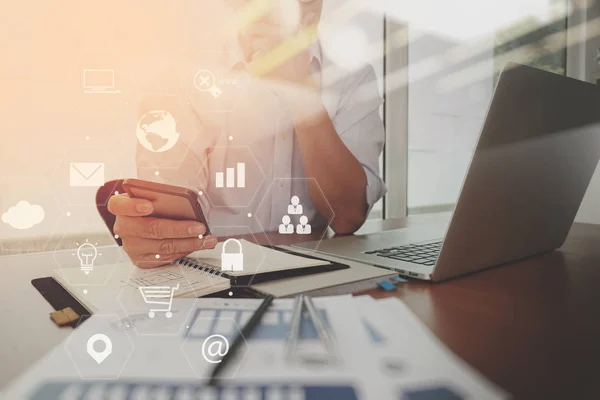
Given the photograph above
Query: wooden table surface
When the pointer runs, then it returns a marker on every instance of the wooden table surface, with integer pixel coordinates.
(532, 327)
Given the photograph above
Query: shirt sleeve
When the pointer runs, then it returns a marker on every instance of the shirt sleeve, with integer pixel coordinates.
(359, 124)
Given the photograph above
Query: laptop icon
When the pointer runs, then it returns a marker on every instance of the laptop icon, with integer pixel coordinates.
(99, 81)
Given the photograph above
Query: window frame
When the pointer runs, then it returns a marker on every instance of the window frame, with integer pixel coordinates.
(395, 113)
(581, 62)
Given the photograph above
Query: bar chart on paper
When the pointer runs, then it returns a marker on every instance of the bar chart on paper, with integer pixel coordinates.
(229, 179)
(273, 325)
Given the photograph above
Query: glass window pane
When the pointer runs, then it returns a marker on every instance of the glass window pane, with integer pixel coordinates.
(453, 68)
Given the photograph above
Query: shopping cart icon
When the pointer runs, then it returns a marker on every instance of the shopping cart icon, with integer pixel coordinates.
(162, 295)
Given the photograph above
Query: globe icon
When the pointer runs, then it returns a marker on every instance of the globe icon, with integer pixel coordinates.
(157, 131)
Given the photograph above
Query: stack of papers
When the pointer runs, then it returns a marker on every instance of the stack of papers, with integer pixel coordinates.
(384, 352)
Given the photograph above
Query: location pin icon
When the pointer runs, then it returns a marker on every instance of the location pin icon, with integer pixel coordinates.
(99, 356)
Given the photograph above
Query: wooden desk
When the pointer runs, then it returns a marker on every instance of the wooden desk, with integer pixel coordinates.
(532, 327)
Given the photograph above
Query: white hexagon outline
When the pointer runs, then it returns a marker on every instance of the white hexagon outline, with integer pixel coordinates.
(53, 229)
(247, 346)
(171, 167)
(188, 103)
(270, 188)
(238, 97)
(130, 317)
(121, 116)
(187, 146)
(61, 267)
(66, 347)
(262, 172)
(254, 242)
(62, 161)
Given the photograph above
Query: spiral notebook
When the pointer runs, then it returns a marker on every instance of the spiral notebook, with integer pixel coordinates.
(261, 264)
(197, 275)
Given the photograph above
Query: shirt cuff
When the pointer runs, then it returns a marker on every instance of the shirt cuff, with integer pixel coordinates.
(375, 189)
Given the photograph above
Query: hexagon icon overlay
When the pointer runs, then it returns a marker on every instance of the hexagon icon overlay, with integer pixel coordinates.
(208, 338)
(82, 261)
(285, 202)
(253, 257)
(213, 85)
(231, 177)
(84, 167)
(97, 349)
(157, 300)
(165, 131)
(28, 208)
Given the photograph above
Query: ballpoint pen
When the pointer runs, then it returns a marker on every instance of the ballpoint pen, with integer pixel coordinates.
(294, 329)
(246, 332)
(318, 322)
(321, 327)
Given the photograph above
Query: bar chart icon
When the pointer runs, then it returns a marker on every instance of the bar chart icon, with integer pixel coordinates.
(228, 179)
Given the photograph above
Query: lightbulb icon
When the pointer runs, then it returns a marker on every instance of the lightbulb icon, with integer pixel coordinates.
(87, 253)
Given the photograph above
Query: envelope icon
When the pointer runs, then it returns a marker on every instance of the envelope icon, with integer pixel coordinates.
(86, 174)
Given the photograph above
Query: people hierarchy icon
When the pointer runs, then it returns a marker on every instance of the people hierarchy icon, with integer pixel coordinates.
(294, 208)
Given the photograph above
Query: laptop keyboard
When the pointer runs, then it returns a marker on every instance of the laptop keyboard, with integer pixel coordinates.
(424, 254)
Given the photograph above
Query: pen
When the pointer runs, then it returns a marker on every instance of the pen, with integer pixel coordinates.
(321, 327)
(294, 330)
(246, 332)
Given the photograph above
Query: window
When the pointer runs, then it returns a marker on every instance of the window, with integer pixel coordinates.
(452, 70)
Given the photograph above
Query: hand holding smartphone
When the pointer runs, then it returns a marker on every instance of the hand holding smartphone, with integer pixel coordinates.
(159, 223)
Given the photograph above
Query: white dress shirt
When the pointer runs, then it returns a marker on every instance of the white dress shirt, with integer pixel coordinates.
(249, 124)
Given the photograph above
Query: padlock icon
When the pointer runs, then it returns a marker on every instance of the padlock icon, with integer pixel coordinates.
(232, 261)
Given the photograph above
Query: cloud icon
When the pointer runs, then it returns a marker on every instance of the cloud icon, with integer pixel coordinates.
(23, 215)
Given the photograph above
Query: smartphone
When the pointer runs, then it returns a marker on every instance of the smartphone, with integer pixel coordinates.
(171, 202)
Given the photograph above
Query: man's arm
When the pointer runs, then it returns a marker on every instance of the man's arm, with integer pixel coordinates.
(337, 172)
(342, 158)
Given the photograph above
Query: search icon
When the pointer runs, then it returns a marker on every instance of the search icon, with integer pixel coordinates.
(205, 81)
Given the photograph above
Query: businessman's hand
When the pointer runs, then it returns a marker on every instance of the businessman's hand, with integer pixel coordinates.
(151, 242)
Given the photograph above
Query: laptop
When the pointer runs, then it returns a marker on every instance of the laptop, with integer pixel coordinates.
(537, 151)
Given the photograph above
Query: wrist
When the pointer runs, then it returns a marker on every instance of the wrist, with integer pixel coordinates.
(305, 104)
(308, 114)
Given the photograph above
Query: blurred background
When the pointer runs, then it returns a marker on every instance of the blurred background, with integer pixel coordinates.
(437, 62)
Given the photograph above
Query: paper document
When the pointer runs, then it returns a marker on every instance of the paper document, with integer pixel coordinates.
(175, 365)
(412, 359)
(384, 353)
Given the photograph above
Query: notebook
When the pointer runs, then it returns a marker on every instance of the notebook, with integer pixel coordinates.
(261, 263)
(199, 274)
(357, 277)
